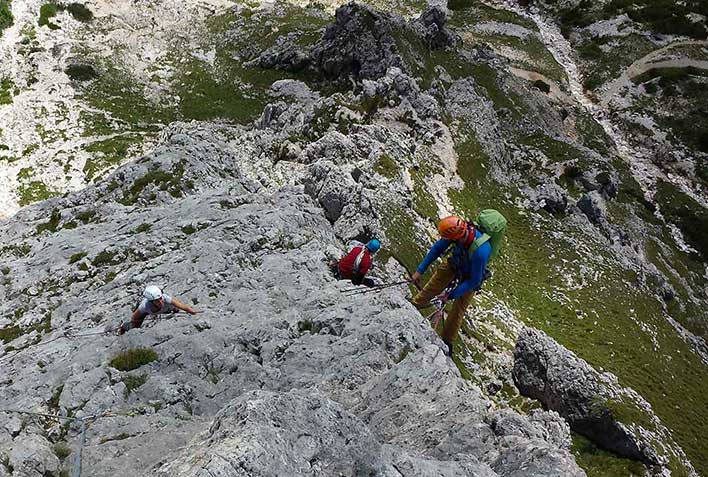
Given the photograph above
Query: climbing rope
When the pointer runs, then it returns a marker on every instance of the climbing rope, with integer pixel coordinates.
(375, 288)
(76, 470)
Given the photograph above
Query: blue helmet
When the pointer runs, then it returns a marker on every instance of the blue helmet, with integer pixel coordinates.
(373, 245)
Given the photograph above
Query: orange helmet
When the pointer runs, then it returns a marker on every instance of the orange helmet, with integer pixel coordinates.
(452, 227)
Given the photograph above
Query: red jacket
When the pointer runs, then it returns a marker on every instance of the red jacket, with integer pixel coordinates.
(347, 264)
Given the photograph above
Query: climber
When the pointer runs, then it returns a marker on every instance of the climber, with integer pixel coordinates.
(357, 262)
(154, 302)
(464, 270)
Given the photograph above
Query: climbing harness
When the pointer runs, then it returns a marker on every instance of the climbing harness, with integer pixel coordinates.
(436, 315)
(439, 314)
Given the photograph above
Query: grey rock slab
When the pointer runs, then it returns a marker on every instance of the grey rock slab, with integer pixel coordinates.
(267, 434)
(32, 455)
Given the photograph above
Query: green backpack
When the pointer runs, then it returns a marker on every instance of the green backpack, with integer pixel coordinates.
(492, 224)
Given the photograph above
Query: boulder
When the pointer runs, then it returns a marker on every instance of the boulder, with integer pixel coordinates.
(432, 29)
(593, 404)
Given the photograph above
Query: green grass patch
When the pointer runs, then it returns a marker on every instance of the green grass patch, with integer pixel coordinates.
(600, 463)
(53, 402)
(34, 191)
(133, 359)
(677, 99)
(592, 133)
(6, 18)
(103, 259)
(10, 333)
(21, 250)
(386, 166)
(7, 87)
(133, 382)
(49, 10)
(423, 202)
(108, 153)
(602, 66)
(86, 216)
(400, 231)
(686, 213)
(170, 182)
(467, 13)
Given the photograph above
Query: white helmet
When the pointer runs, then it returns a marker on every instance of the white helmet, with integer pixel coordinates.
(152, 292)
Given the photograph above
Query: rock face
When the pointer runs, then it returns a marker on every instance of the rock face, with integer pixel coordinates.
(594, 404)
(359, 43)
(281, 374)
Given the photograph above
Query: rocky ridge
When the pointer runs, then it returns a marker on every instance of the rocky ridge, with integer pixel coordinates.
(278, 351)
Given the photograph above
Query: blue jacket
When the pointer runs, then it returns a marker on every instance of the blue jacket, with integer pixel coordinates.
(469, 270)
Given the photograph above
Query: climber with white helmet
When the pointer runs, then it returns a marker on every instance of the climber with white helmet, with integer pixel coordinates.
(154, 302)
(357, 262)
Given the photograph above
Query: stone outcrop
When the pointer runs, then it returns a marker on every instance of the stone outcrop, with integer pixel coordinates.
(363, 43)
(594, 404)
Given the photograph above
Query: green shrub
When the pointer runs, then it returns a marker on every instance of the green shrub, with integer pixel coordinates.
(590, 51)
(52, 224)
(86, 216)
(133, 359)
(103, 258)
(142, 228)
(47, 11)
(80, 12)
(10, 333)
(81, 72)
(53, 403)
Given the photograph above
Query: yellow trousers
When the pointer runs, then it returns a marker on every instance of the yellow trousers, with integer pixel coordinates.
(442, 277)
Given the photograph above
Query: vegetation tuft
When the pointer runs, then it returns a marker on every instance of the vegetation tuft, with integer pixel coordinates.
(52, 224)
(133, 359)
(46, 13)
(77, 256)
(61, 450)
(6, 18)
(133, 382)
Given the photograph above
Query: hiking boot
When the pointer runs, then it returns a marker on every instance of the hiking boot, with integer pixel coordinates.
(449, 348)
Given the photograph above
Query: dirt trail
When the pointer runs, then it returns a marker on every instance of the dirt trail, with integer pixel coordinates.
(646, 63)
